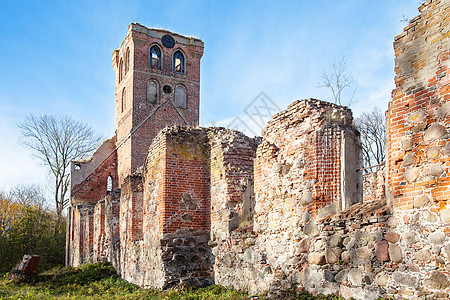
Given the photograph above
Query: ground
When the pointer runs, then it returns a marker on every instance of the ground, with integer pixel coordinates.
(100, 281)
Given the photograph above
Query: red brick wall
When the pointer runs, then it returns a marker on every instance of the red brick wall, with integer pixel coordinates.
(418, 115)
(300, 156)
(94, 187)
(186, 197)
(133, 150)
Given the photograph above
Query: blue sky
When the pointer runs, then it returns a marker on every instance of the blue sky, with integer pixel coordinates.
(56, 58)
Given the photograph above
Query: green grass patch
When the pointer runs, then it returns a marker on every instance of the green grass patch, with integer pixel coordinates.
(100, 281)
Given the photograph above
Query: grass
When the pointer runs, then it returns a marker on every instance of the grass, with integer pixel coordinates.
(100, 281)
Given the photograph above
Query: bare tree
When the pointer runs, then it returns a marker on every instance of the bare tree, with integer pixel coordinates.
(371, 125)
(337, 81)
(28, 195)
(57, 141)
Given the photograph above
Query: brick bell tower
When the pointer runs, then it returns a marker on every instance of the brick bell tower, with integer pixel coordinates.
(157, 85)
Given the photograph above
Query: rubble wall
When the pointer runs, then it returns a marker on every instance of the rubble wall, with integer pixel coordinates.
(299, 174)
(418, 117)
(374, 185)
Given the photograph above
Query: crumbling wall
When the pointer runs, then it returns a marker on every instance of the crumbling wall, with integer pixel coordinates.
(374, 185)
(232, 196)
(89, 178)
(100, 244)
(112, 233)
(301, 173)
(418, 115)
(81, 234)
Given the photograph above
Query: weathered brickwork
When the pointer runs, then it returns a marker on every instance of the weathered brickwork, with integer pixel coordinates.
(418, 115)
(134, 82)
(291, 209)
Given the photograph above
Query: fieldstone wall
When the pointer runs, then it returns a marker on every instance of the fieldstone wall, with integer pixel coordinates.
(301, 173)
(418, 118)
(211, 205)
(374, 185)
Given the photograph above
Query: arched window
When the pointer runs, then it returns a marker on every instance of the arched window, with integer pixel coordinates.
(109, 184)
(127, 61)
(120, 70)
(155, 57)
(180, 96)
(124, 100)
(178, 62)
(152, 91)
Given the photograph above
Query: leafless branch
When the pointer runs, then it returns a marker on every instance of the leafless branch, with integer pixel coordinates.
(337, 81)
(56, 141)
(371, 125)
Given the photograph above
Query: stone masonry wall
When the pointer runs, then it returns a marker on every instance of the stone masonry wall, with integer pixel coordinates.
(374, 185)
(419, 114)
(299, 174)
(177, 191)
(211, 205)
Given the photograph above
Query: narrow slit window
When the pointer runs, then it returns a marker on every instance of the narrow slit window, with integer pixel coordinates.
(127, 61)
(124, 100)
(178, 62)
(109, 184)
(155, 57)
(120, 70)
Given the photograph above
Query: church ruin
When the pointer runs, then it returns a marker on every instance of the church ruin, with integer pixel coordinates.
(168, 202)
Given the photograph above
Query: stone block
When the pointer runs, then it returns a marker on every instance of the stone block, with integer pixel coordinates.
(328, 210)
(437, 280)
(382, 279)
(363, 252)
(443, 111)
(304, 245)
(311, 229)
(392, 237)
(424, 255)
(316, 258)
(407, 143)
(355, 276)
(422, 201)
(409, 159)
(444, 214)
(346, 256)
(416, 117)
(433, 153)
(404, 279)
(433, 170)
(392, 222)
(335, 240)
(306, 198)
(411, 174)
(332, 255)
(436, 238)
(395, 253)
(381, 251)
(435, 131)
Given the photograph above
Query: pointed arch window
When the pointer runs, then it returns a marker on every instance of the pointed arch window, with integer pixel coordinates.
(109, 184)
(120, 70)
(180, 96)
(178, 62)
(153, 92)
(127, 61)
(124, 100)
(155, 57)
